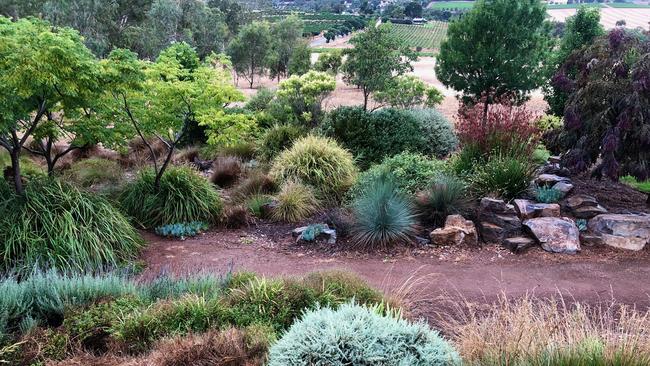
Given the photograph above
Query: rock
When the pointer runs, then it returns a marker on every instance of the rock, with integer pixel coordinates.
(498, 220)
(422, 241)
(457, 231)
(528, 209)
(555, 234)
(630, 232)
(590, 240)
(563, 187)
(518, 244)
(496, 206)
(550, 179)
(584, 206)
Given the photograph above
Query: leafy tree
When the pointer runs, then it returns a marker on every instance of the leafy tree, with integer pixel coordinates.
(580, 30)
(606, 120)
(330, 61)
(160, 100)
(45, 73)
(286, 36)
(249, 50)
(497, 48)
(300, 61)
(376, 58)
(408, 91)
(305, 94)
(413, 10)
(235, 14)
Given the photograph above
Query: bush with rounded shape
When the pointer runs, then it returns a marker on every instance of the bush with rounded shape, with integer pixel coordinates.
(445, 196)
(372, 136)
(318, 162)
(383, 216)
(278, 138)
(411, 173)
(440, 139)
(184, 196)
(355, 335)
(57, 226)
(226, 170)
(504, 176)
(88, 172)
(294, 202)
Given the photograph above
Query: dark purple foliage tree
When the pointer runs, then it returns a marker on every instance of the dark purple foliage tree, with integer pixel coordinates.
(607, 116)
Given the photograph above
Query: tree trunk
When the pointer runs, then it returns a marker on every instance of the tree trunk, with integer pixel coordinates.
(15, 165)
(485, 112)
(160, 173)
(365, 100)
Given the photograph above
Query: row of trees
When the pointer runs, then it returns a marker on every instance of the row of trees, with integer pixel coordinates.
(53, 90)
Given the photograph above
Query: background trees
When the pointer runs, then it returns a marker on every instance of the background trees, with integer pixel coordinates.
(497, 47)
(376, 58)
(249, 50)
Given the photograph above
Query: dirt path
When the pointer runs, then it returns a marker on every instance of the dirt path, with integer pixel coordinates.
(478, 275)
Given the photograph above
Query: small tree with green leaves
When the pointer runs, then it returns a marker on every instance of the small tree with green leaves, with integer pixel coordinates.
(160, 100)
(330, 61)
(250, 49)
(408, 91)
(286, 35)
(496, 49)
(45, 73)
(377, 57)
(305, 94)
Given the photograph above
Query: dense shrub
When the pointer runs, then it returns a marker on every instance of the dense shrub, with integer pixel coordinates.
(182, 230)
(548, 195)
(438, 132)
(278, 138)
(372, 136)
(318, 162)
(226, 170)
(261, 100)
(355, 335)
(549, 122)
(184, 196)
(256, 204)
(88, 172)
(446, 195)
(411, 173)
(503, 176)
(383, 216)
(56, 225)
(294, 202)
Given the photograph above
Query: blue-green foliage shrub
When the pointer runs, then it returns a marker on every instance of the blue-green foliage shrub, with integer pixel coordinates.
(182, 230)
(356, 335)
(440, 139)
(411, 173)
(546, 194)
(372, 136)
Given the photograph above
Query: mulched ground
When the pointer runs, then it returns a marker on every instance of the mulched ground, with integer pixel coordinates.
(614, 196)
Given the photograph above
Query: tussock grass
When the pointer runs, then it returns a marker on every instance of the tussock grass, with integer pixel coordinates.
(295, 202)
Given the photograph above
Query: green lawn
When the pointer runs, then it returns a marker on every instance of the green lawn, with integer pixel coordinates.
(641, 186)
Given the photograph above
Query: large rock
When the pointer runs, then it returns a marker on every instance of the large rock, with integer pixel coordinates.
(555, 234)
(563, 187)
(630, 232)
(550, 179)
(498, 220)
(457, 231)
(529, 209)
(583, 206)
(518, 244)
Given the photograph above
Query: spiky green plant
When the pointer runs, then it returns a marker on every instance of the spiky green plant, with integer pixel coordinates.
(88, 172)
(504, 176)
(318, 162)
(57, 226)
(184, 196)
(446, 195)
(294, 202)
(384, 216)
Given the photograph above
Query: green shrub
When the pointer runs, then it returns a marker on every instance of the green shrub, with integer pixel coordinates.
(257, 203)
(182, 230)
(446, 195)
(549, 122)
(88, 172)
(438, 132)
(373, 136)
(56, 225)
(169, 287)
(540, 155)
(548, 195)
(261, 100)
(503, 176)
(466, 160)
(383, 216)
(294, 202)
(279, 138)
(411, 173)
(318, 162)
(355, 335)
(184, 196)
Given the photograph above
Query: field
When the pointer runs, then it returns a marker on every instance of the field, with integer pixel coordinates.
(451, 5)
(427, 36)
(634, 17)
(470, 4)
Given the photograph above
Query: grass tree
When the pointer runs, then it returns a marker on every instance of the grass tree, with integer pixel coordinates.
(48, 82)
(160, 100)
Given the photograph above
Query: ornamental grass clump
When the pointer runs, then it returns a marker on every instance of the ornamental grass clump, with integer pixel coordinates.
(318, 162)
(183, 196)
(383, 216)
(293, 203)
(503, 176)
(446, 195)
(356, 335)
(55, 225)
